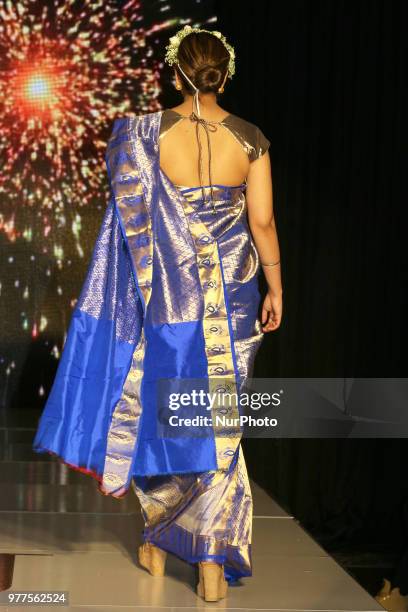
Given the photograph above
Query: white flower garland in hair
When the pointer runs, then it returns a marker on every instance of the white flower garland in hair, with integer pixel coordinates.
(174, 42)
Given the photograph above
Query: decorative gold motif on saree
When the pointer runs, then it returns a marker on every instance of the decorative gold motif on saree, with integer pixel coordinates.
(129, 197)
(221, 373)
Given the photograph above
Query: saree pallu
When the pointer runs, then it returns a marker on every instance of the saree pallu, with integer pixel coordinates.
(171, 293)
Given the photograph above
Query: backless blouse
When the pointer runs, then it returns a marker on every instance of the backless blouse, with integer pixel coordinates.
(249, 135)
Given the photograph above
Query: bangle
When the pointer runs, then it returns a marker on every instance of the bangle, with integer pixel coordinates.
(271, 264)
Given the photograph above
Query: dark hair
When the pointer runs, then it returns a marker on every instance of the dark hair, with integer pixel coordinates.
(204, 58)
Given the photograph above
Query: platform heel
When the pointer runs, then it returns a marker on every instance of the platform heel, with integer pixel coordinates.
(152, 558)
(212, 585)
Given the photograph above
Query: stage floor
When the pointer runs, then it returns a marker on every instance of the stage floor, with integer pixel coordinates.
(67, 536)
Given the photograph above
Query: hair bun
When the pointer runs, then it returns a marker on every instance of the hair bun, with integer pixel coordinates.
(205, 59)
(208, 78)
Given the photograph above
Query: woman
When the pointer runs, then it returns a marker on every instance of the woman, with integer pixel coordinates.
(170, 305)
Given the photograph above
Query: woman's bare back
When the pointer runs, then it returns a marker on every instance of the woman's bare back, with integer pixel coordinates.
(234, 142)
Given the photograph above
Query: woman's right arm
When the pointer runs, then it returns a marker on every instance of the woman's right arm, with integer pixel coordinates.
(259, 195)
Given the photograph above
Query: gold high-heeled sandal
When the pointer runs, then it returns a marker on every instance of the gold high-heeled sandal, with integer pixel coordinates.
(152, 558)
(212, 585)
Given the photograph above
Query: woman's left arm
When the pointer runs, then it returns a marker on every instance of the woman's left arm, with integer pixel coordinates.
(259, 195)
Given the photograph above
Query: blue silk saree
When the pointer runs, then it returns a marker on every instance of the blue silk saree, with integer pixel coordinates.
(171, 293)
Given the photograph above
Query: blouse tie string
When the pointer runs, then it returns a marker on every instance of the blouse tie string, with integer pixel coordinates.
(208, 126)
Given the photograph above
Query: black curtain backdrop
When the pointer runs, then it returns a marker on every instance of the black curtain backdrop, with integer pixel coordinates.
(326, 82)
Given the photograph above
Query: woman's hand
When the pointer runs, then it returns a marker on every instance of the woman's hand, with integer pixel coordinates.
(271, 312)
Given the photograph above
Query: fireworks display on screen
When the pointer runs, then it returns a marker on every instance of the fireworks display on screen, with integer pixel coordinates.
(67, 69)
